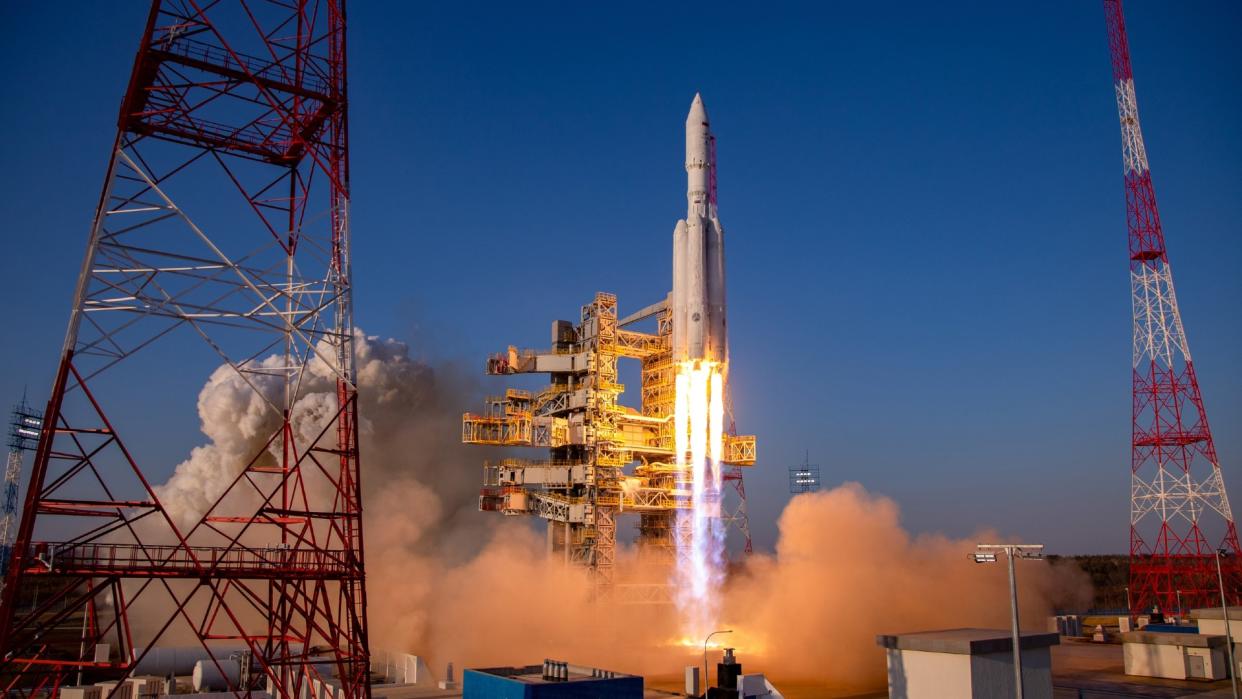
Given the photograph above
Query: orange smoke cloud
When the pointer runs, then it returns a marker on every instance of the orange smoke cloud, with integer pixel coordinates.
(454, 584)
(844, 570)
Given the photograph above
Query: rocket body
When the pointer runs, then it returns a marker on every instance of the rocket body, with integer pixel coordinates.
(698, 298)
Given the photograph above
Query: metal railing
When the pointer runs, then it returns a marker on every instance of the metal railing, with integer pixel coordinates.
(311, 79)
(182, 561)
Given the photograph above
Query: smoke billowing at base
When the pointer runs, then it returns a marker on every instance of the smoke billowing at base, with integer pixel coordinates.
(451, 584)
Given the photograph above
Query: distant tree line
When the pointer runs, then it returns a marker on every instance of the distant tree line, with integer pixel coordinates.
(1110, 574)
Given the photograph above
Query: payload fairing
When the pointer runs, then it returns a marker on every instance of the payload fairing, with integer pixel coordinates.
(698, 298)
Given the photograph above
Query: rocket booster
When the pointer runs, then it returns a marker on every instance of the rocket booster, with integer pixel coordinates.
(698, 298)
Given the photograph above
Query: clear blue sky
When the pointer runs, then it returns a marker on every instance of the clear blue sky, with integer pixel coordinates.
(923, 204)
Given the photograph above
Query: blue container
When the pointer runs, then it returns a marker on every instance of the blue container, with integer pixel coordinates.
(518, 683)
(1170, 628)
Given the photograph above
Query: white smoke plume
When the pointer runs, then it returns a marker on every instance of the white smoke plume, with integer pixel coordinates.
(420, 485)
(454, 584)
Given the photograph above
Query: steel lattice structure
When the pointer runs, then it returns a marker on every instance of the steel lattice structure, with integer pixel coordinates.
(1179, 511)
(24, 429)
(222, 233)
(805, 477)
(592, 439)
(737, 515)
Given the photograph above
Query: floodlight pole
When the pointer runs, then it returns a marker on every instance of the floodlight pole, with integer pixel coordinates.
(709, 637)
(1013, 609)
(1224, 610)
(1012, 550)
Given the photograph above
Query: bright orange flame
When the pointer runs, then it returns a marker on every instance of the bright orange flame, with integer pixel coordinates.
(740, 639)
(716, 436)
(681, 416)
(698, 419)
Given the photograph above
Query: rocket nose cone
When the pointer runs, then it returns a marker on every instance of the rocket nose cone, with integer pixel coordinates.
(698, 112)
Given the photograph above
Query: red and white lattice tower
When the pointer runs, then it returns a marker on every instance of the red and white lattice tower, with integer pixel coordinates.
(221, 237)
(1179, 512)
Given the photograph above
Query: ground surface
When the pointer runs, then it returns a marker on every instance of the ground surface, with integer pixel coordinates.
(791, 690)
(1080, 670)
(1083, 670)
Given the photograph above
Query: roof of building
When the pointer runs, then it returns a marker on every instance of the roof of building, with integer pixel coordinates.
(1159, 638)
(967, 641)
(533, 674)
(1235, 613)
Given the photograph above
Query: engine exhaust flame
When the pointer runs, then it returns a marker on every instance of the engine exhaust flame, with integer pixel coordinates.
(698, 419)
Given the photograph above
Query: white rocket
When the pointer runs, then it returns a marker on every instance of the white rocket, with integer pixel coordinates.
(698, 298)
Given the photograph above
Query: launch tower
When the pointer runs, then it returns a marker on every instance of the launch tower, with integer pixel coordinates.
(607, 459)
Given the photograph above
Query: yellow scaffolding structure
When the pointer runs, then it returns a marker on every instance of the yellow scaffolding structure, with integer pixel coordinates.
(591, 440)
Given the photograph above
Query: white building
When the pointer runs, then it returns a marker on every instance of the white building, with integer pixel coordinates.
(967, 664)
(1211, 621)
(1176, 656)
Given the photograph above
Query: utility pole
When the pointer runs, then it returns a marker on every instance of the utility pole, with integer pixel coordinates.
(1224, 610)
(986, 553)
(25, 425)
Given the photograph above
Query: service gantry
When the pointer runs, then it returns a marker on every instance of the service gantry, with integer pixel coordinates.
(593, 440)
